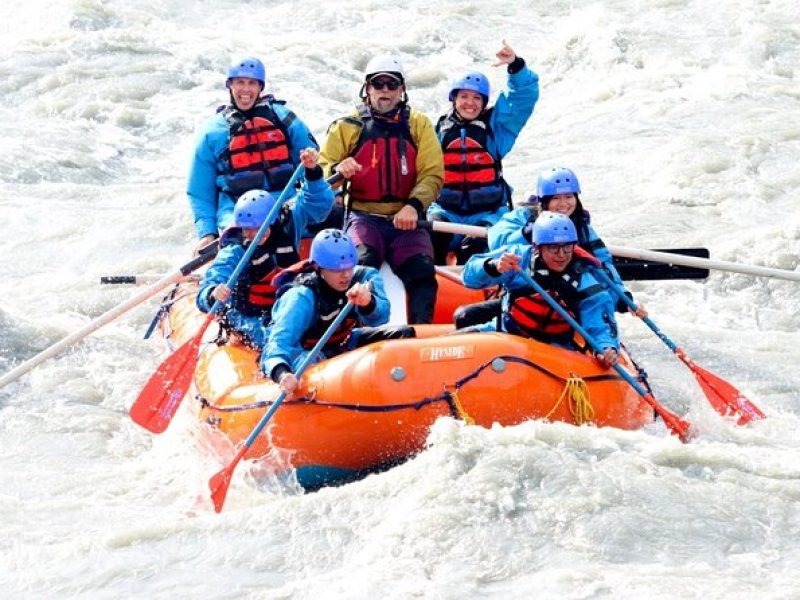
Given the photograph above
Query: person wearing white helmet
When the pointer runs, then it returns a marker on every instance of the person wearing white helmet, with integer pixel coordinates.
(253, 142)
(474, 138)
(391, 161)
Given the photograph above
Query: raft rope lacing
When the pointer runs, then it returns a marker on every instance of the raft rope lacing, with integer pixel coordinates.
(457, 408)
(167, 302)
(580, 405)
(576, 387)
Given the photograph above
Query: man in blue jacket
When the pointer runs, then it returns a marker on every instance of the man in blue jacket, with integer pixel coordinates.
(562, 269)
(254, 142)
(474, 139)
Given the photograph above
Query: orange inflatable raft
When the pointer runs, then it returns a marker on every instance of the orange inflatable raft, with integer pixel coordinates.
(373, 407)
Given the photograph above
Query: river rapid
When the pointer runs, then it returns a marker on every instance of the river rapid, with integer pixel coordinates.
(682, 121)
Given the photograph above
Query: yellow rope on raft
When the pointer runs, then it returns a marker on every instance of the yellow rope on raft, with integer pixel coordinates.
(580, 404)
(460, 412)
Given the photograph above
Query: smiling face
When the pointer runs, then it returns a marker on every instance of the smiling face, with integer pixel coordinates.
(556, 256)
(381, 97)
(469, 104)
(245, 92)
(562, 203)
(339, 280)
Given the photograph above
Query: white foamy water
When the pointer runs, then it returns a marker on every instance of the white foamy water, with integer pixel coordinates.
(682, 122)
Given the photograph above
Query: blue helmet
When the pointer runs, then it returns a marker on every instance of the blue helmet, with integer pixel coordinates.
(333, 249)
(249, 67)
(553, 228)
(472, 81)
(252, 208)
(558, 180)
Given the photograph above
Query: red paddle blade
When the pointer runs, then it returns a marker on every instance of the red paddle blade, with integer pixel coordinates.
(218, 485)
(679, 427)
(726, 399)
(161, 396)
(220, 482)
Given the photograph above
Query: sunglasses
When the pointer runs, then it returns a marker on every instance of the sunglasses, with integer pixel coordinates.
(390, 84)
(559, 248)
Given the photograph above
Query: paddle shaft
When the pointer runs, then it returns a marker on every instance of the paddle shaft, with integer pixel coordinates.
(306, 362)
(106, 317)
(651, 255)
(141, 279)
(620, 293)
(704, 263)
(579, 328)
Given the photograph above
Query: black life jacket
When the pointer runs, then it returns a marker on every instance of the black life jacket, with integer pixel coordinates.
(329, 305)
(255, 291)
(530, 315)
(259, 152)
(388, 157)
(473, 178)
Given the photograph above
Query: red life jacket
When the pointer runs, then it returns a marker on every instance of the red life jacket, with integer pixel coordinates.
(258, 154)
(388, 157)
(533, 317)
(261, 294)
(473, 177)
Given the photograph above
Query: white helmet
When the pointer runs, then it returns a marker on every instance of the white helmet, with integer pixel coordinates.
(384, 63)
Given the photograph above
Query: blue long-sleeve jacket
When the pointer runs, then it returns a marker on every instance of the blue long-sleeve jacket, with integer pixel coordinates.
(211, 205)
(512, 109)
(311, 205)
(595, 312)
(296, 312)
(508, 230)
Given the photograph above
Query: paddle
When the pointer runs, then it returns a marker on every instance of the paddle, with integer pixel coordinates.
(725, 398)
(702, 263)
(628, 268)
(220, 482)
(141, 279)
(161, 396)
(645, 270)
(676, 425)
(108, 316)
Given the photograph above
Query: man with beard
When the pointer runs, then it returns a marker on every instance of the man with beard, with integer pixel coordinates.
(391, 160)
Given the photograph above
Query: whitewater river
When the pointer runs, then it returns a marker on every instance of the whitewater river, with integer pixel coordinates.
(682, 120)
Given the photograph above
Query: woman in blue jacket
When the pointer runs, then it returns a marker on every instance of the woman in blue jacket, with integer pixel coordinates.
(557, 190)
(475, 138)
(307, 306)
